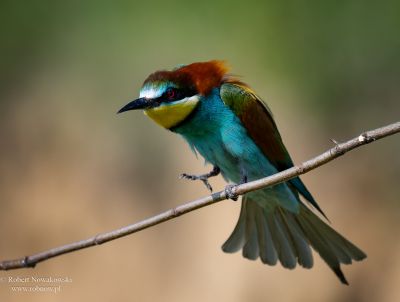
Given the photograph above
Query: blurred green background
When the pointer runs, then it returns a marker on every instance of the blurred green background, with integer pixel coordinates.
(71, 168)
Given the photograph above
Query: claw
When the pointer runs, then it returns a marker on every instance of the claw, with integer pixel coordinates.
(230, 191)
(188, 176)
(203, 177)
(207, 184)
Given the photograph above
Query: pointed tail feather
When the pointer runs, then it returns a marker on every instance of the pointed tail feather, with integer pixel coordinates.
(280, 234)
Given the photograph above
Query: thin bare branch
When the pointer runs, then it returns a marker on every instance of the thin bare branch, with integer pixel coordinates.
(338, 150)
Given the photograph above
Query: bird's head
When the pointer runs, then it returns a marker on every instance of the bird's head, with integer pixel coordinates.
(168, 97)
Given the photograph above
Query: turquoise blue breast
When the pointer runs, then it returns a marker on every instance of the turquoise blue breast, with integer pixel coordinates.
(215, 132)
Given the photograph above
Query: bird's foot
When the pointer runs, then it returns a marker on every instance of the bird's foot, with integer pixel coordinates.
(203, 177)
(230, 192)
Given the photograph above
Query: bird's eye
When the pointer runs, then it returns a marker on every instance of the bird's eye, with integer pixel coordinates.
(170, 94)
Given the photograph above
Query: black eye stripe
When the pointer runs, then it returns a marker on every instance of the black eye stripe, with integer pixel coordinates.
(174, 94)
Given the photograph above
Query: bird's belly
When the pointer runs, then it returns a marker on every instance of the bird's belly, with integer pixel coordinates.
(253, 164)
(221, 139)
(233, 151)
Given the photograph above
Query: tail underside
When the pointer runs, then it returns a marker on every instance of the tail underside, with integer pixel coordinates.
(287, 237)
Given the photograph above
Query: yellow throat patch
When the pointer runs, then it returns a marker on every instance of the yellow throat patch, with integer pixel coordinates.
(171, 114)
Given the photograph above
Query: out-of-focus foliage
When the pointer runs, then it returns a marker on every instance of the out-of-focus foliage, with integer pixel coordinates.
(70, 168)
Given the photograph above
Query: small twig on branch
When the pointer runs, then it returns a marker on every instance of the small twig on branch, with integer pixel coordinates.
(338, 150)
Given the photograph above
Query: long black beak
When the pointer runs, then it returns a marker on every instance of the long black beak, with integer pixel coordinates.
(141, 103)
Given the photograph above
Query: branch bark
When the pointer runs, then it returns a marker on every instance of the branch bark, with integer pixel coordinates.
(336, 151)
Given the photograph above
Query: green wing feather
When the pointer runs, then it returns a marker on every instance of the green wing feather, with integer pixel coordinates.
(257, 119)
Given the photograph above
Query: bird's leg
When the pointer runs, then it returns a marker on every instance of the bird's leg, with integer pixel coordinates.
(203, 177)
(230, 190)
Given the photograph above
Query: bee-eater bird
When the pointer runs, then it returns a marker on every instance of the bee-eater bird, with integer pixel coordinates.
(233, 129)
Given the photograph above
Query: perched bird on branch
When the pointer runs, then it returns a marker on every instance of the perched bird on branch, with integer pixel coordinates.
(233, 129)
